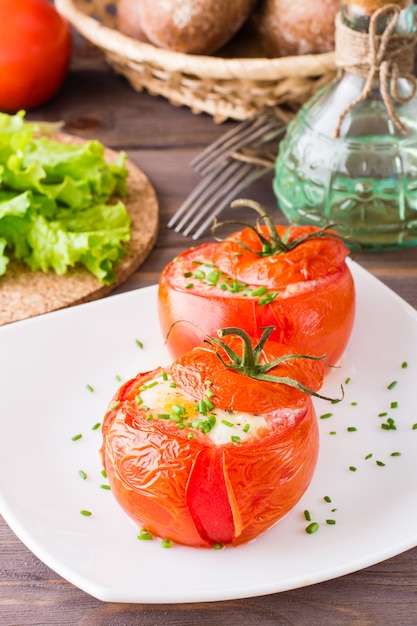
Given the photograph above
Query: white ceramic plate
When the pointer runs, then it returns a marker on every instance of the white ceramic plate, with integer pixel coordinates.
(47, 363)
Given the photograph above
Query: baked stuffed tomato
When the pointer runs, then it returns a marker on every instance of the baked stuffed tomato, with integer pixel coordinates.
(294, 278)
(220, 445)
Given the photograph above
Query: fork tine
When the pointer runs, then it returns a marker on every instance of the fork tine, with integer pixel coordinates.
(230, 185)
(226, 138)
(228, 198)
(246, 137)
(200, 194)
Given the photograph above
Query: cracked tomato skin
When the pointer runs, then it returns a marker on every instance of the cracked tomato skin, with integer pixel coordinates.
(313, 309)
(197, 492)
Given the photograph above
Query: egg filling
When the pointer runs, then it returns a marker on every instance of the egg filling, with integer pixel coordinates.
(167, 401)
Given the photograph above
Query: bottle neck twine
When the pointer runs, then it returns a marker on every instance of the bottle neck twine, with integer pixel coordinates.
(380, 59)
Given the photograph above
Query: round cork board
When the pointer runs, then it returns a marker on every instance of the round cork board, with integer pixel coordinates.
(24, 293)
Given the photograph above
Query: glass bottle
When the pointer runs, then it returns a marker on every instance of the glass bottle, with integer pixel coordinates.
(365, 179)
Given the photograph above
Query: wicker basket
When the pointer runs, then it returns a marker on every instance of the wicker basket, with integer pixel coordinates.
(235, 84)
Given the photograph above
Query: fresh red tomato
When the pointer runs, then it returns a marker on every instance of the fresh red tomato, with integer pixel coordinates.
(169, 465)
(306, 291)
(35, 49)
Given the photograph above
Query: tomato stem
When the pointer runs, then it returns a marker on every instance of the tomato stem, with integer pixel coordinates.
(249, 363)
(272, 243)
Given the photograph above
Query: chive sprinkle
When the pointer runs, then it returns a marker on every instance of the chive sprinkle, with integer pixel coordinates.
(351, 429)
(82, 474)
(392, 385)
(89, 388)
(327, 499)
(368, 456)
(144, 535)
(312, 528)
(325, 416)
(307, 515)
(331, 521)
(380, 463)
(115, 406)
(85, 512)
(217, 546)
(106, 487)
(404, 365)
(166, 543)
(352, 468)
(96, 426)
(139, 343)
(104, 473)
(395, 453)
(76, 437)
(394, 405)
(414, 426)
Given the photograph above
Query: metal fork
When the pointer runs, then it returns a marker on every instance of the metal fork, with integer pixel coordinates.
(230, 164)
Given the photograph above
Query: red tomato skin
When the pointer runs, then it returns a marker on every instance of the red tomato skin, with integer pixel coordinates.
(35, 53)
(318, 321)
(177, 487)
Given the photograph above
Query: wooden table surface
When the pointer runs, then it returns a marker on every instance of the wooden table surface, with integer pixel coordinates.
(162, 139)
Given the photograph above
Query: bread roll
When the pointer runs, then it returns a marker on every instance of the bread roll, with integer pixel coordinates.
(192, 26)
(293, 27)
(128, 19)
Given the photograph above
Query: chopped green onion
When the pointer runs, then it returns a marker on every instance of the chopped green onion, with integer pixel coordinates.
(260, 291)
(330, 521)
(227, 423)
(327, 499)
(307, 515)
(352, 468)
(144, 535)
(89, 388)
(104, 473)
(404, 364)
(115, 406)
(351, 429)
(347, 381)
(85, 512)
(394, 405)
(164, 376)
(139, 343)
(107, 487)
(166, 543)
(368, 456)
(246, 428)
(235, 439)
(82, 474)
(395, 453)
(96, 426)
(190, 435)
(312, 528)
(76, 437)
(325, 416)
(414, 426)
(217, 546)
(384, 414)
(392, 385)
(380, 463)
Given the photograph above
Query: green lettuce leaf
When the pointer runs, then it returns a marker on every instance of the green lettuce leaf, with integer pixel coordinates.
(57, 205)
